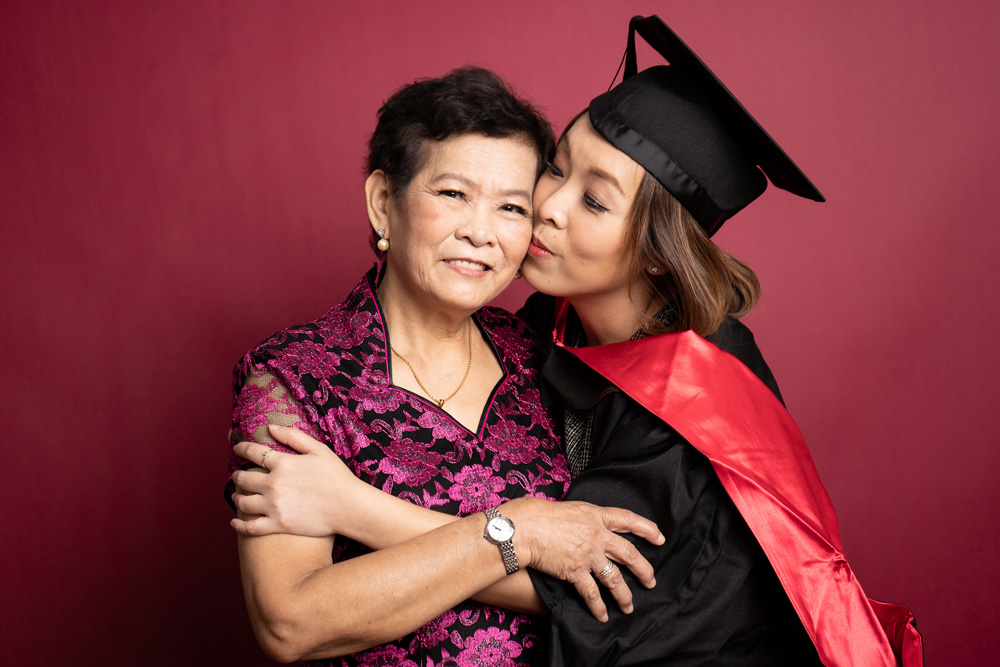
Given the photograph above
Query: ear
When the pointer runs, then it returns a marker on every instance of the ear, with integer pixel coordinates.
(377, 199)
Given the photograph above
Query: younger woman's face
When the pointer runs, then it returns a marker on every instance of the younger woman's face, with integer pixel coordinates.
(582, 203)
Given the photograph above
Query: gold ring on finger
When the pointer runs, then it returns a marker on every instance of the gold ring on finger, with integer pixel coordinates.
(606, 572)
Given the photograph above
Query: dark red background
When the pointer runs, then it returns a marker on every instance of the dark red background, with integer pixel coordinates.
(178, 180)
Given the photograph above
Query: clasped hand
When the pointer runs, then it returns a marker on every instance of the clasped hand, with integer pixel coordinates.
(315, 494)
(311, 495)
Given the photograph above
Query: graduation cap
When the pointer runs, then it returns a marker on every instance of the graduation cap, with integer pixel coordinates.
(685, 127)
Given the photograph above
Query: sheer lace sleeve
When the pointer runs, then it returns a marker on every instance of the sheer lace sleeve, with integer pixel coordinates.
(264, 400)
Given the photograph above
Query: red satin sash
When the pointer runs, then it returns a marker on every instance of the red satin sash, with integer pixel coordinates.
(719, 406)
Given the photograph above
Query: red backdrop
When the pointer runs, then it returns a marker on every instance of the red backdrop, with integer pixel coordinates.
(181, 179)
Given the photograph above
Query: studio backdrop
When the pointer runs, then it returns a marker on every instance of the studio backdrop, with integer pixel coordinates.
(180, 179)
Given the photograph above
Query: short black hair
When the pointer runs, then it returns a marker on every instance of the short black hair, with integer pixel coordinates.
(467, 100)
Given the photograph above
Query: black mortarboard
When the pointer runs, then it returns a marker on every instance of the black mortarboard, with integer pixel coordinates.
(685, 127)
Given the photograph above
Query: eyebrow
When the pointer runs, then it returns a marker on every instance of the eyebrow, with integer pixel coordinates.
(466, 182)
(595, 172)
(600, 173)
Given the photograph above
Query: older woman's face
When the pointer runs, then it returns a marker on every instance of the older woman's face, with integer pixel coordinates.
(459, 232)
(582, 205)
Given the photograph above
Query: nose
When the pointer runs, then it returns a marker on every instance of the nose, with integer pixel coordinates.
(477, 227)
(550, 206)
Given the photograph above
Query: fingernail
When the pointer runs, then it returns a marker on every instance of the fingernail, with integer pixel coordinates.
(275, 427)
(628, 609)
(660, 539)
(604, 618)
(651, 584)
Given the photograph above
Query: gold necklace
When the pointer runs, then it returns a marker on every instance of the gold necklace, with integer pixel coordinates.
(440, 401)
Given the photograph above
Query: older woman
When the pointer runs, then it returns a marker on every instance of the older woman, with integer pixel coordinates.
(430, 397)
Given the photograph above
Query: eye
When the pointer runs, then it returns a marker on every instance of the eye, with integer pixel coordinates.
(515, 208)
(593, 204)
(553, 169)
(452, 194)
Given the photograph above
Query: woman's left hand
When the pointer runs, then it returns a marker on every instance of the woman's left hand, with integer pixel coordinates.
(313, 494)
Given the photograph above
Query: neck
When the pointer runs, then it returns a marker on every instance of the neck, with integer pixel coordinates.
(615, 317)
(416, 326)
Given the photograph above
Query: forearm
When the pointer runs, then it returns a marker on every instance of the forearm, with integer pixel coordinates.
(515, 592)
(389, 521)
(314, 609)
(566, 540)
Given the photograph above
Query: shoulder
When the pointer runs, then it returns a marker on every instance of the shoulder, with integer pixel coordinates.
(343, 326)
(539, 313)
(736, 338)
(270, 352)
(501, 324)
(515, 342)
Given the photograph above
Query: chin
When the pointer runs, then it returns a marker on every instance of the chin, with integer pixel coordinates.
(467, 301)
(538, 281)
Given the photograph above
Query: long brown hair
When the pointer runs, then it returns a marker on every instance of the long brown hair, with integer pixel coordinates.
(704, 283)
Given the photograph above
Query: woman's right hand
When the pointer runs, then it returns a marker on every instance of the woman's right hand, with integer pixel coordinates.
(573, 541)
(314, 494)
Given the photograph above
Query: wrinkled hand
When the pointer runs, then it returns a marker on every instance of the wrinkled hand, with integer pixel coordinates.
(573, 541)
(311, 494)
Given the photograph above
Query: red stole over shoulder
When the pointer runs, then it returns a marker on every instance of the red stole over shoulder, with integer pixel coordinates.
(719, 406)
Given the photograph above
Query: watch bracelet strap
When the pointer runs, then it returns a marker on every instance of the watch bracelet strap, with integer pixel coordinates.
(506, 548)
(509, 557)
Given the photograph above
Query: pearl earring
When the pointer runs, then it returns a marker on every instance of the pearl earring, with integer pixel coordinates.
(653, 269)
(383, 242)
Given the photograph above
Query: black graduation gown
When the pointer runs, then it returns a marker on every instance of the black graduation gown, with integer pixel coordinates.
(717, 600)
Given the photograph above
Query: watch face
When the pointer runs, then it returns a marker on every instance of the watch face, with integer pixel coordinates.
(499, 530)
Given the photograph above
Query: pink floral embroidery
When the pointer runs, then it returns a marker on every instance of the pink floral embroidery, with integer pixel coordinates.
(372, 393)
(511, 442)
(531, 404)
(312, 358)
(350, 333)
(409, 462)
(387, 655)
(252, 406)
(349, 436)
(560, 471)
(517, 348)
(436, 631)
(476, 489)
(489, 648)
(336, 370)
(440, 425)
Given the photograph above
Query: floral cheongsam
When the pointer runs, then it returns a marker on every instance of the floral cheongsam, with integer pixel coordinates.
(332, 378)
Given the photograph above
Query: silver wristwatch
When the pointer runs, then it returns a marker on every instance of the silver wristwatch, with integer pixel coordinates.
(500, 531)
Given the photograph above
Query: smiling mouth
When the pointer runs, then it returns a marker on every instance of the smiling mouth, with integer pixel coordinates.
(469, 264)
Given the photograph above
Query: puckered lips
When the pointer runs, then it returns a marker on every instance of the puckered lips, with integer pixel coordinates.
(537, 249)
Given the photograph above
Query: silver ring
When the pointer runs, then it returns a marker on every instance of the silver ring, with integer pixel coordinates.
(606, 572)
(263, 458)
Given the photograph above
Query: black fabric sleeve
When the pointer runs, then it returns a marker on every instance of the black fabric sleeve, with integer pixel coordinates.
(700, 570)
(717, 600)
